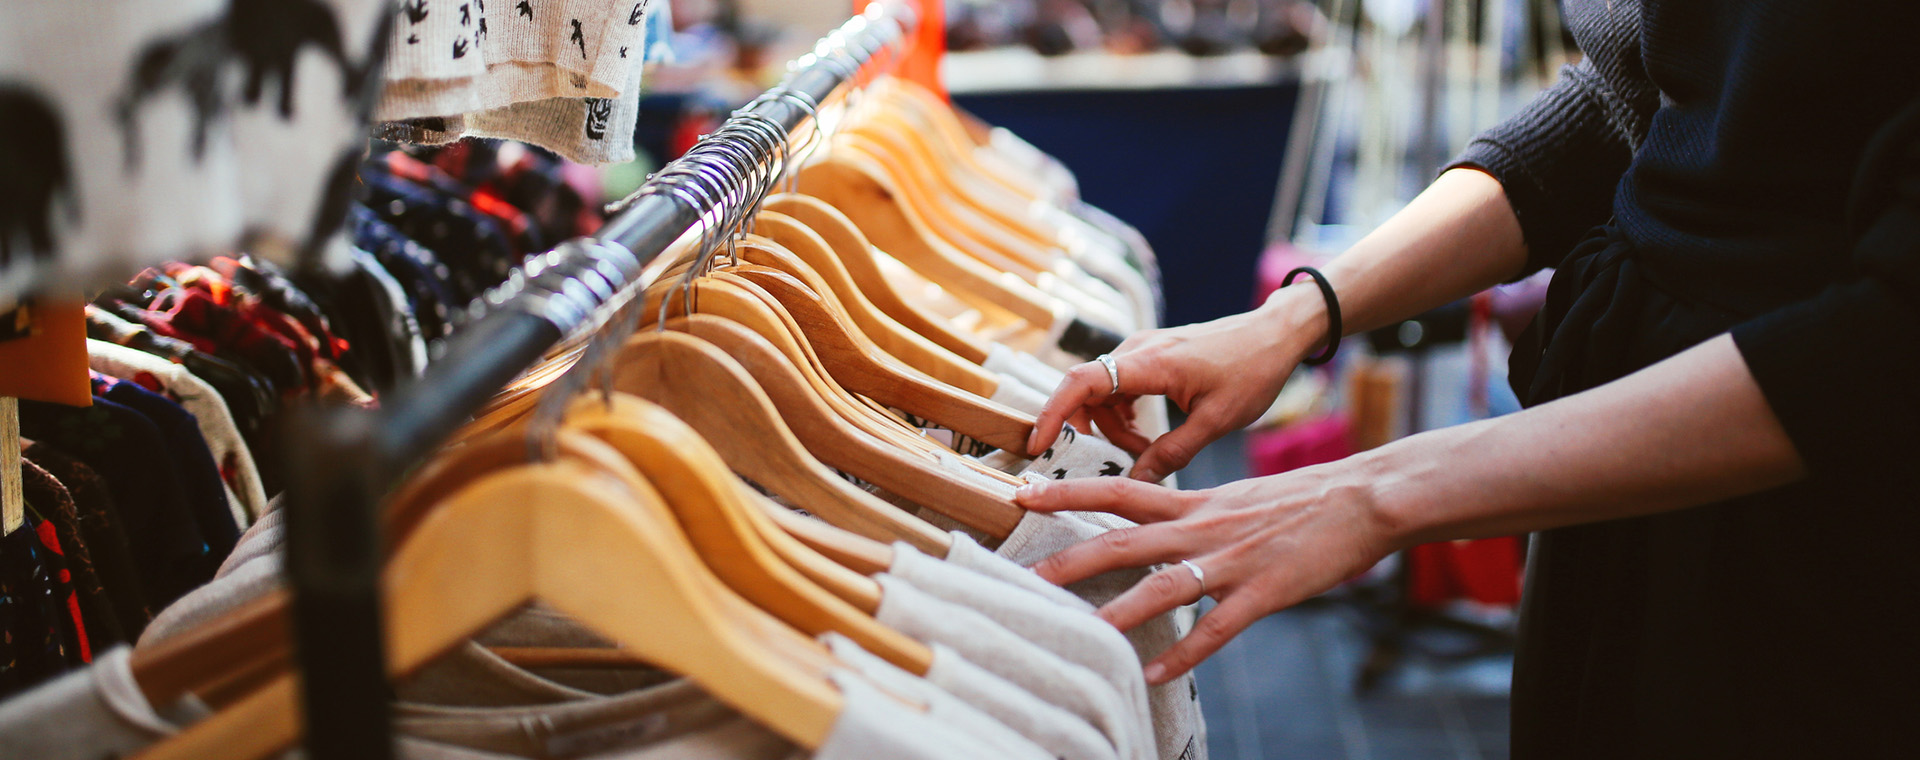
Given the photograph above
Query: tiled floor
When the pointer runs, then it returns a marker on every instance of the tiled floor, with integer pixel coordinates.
(1287, 687)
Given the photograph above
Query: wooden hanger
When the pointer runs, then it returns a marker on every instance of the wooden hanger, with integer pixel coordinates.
(745, 301)
(981, 505)
(928, 115)
(726, 295)
(743, 546)
(809, 258)
(207, 660)
(862, 368)
(964, 220)
(454, 467)
(958, 180)
(710, 391)
(863, 192)
(935, 208)
(858, 553)
(597, 549)
(852, 250)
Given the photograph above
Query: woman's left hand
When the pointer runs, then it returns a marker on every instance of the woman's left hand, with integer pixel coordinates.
(1262, 544)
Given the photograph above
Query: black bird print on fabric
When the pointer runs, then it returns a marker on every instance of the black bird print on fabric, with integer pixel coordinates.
(466, 15)
(481, 32)
(579, 37)
(413, 39)
(623, 51)
(1110, 469)
(33, 163)
(639, 10)
(459, 47)
(416, 11)
(264, 37)
(525, 8)
(191, 61)
(267, 36)
(1059, 474)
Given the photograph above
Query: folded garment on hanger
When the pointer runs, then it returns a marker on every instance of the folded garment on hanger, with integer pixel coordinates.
(132, 124)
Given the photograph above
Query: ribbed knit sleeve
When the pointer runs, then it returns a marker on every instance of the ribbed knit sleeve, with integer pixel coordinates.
(1561, 156)
(1840, 369)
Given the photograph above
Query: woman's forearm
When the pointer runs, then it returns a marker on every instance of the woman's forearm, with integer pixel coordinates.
(1456, 238)
(1687, 431)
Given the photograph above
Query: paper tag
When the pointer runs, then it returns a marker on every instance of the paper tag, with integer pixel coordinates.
(50, 364)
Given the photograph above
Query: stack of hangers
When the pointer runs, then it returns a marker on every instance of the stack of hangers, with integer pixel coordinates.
(781, 521)
(139, 498)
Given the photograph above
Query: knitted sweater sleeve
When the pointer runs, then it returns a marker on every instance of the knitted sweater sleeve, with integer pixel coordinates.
(1839, 369)
(1561, 156)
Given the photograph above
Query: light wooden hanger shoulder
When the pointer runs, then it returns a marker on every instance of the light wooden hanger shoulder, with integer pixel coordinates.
(815, 263)
(852, 250)
(937, 209)
(709, 390)
(856, 366)
(591, 546)
(863, 193)
(910, 474)
(738, 542)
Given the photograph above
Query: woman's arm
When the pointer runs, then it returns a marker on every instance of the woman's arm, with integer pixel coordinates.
(1689, 430)
(1455, 239)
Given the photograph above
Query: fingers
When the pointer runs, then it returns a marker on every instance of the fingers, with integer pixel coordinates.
(1169, 587)
(1131, 499)
(1171, 452)
(1116, 550)
(1083, 384)
(1116, 422)
(1211, 632)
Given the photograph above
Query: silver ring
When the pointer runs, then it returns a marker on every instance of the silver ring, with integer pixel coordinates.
(1197, 575)
(1113, 372)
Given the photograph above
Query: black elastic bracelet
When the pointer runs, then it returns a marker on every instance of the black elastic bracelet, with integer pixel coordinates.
(1333, 314)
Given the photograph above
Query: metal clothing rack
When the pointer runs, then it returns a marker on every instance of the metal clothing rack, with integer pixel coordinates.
(341, 462)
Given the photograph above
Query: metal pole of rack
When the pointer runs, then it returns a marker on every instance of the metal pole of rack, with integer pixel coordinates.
(341, 462)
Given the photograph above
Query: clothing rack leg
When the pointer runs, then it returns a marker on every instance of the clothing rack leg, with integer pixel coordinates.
(333, 566)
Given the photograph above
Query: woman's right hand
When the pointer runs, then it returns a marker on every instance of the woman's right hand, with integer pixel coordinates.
(1224, 374)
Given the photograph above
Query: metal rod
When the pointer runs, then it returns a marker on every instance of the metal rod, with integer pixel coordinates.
(341, 462)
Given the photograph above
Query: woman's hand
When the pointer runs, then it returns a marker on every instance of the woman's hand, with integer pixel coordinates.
(1267, 543)
(1263, 545)
(1223, 374)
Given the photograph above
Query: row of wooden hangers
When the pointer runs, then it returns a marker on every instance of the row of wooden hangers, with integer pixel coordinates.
(771, 346)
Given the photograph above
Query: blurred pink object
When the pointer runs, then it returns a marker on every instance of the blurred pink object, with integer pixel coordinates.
(1275, 262)
(1316, 441)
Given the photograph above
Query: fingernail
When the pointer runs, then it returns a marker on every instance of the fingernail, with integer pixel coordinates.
(1029, 491)
(1153, 672)
(1045, 570)
(1145, 475)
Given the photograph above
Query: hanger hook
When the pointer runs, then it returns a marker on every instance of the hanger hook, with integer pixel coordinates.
(779, 147)
(572, 288)
(676, 180)
(811, 108)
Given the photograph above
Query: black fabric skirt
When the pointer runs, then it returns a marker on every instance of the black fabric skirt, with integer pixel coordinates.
(1775, 625)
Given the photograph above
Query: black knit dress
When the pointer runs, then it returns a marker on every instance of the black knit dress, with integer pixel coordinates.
(1719, 166)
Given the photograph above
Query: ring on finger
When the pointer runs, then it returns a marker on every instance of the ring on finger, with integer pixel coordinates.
(1113, 372)
(1198, 574)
